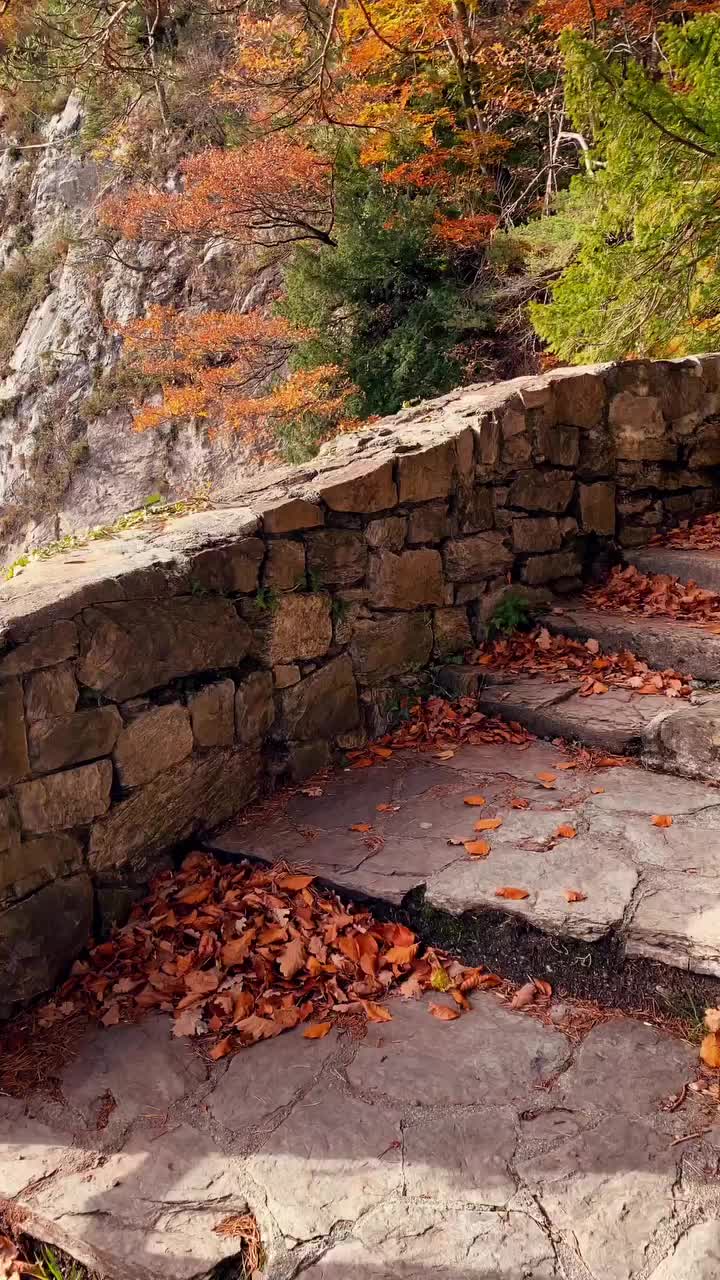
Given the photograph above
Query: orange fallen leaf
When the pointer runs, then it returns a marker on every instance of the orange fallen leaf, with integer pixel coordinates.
(598, 791)
(242, 1006)
(203, 981)
(661, 820)
(543, 987)
(349, 947)
(444, 755)
(317, 1031)
(294, 882)
(387, 808)
(507, 891)
(567, 764)
(401, 955)
(444, 1012)
(488, 824)
(574, 895)
(474, 800)
(546, 777)
(518, 802)
(292, 958)
(477, 848)
(363, 763)
(237, 950)
(376, 1012)
(525, 995)
(361, 826)
(710, 1050)
(383, 752)
(460, 999)
(566, 832)
(222, 1049)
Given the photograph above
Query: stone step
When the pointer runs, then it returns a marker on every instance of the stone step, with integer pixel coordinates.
(653, 887)
(662, 642)
(702, 567)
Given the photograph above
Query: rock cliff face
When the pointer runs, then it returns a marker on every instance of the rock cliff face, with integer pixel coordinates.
(68, 455)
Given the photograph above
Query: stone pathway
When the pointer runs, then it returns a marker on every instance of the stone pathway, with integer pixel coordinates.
(490, 1148)
(655, 887)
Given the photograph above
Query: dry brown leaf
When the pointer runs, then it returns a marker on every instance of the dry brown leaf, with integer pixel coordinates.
(598, 791)
(477, 848)
(444, 1012)
(518, 802)
(362, 826)
(460, 999)
(242, 1006)
(292, 958)
(546, 777)
(488, 824)
(295, 882)
(256, 1028)
(710, 1050)
(349, 947)
(376, 1012)
(712, 1019)
(525, 995)
(188, 1023)
(661, 820)
(565, 832)
(474, 800)
(112, 1016)
(401, 955)
(508, 891)
(222, 1049)
(237, 950)
(574, 895)
(317, 1031)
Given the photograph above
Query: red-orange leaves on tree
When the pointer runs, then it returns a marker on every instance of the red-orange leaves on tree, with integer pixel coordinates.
(272, 192)
(209, 365)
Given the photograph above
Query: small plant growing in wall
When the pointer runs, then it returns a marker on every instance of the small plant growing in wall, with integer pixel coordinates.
(514, 613)
(266, 600)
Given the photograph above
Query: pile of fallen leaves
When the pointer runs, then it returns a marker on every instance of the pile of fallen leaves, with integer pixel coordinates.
(438, 724)
(654, 595)
(702, 534)
(560, 658)
(244, 953)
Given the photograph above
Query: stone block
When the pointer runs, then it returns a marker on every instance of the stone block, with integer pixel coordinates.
(476, 510)
(390, 646)
(9, 825)
(290, 515)
(480, 556)
(212, 714)
(516, 448)
(298, 626)
(62, 800)
(429, 523)
(152, 742)
(14, 762)
(50, 693)
(46, 648)
(198, 794)
(597, 455)
(305, 759)
(30, 865)
(541, 569)
(65, 740)
(337, 557)
(284, 565)
(322, 705)
(254, 707)
(452, 632)
(229, 569)
(387, 534)
(41, 936)
(536, 533)
(580, 398)
(489, 439)
(542, 491)
(286, 676)
(558, 445)
(361, 486)
(427, 474)
(597, 508)
(639, 430)
(132, 647)
(405, 581)
(706, 447)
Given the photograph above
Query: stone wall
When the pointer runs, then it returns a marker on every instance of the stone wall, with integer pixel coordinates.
(150, 686)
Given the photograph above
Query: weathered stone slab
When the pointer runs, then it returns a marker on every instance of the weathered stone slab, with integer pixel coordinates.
(262, 1081)
(685, 740)
(232, 568)
(702, 567)
(696, 1254)
(636, 1065)
(482, 556)
(285, 565)
(675, 921)
(361, 486)
(9, 824)
(51, 645)
(297, 626)
(322, 705)
(429, 523)
(28, 866)
(557, 444)
(291, 514)
(549, 568)
(41, 936)
(406, 581)
(427, 475)
(536, 533)
(212, 714)
(315, 1175)
(203, 791)
(385, 647)
(68, 799)
(639, 430)
(597, 508)
(152, 742)
(662, 642)
(337, 557)
(50, 693)
(66, 740)
(14, 762)
(452, 631)
(448, 1158)
(129, 648)
(254, 707)
(388, 533)
(579, 396)
(542, 491)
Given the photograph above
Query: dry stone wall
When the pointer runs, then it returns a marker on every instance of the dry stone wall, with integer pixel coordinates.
(151, 686)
